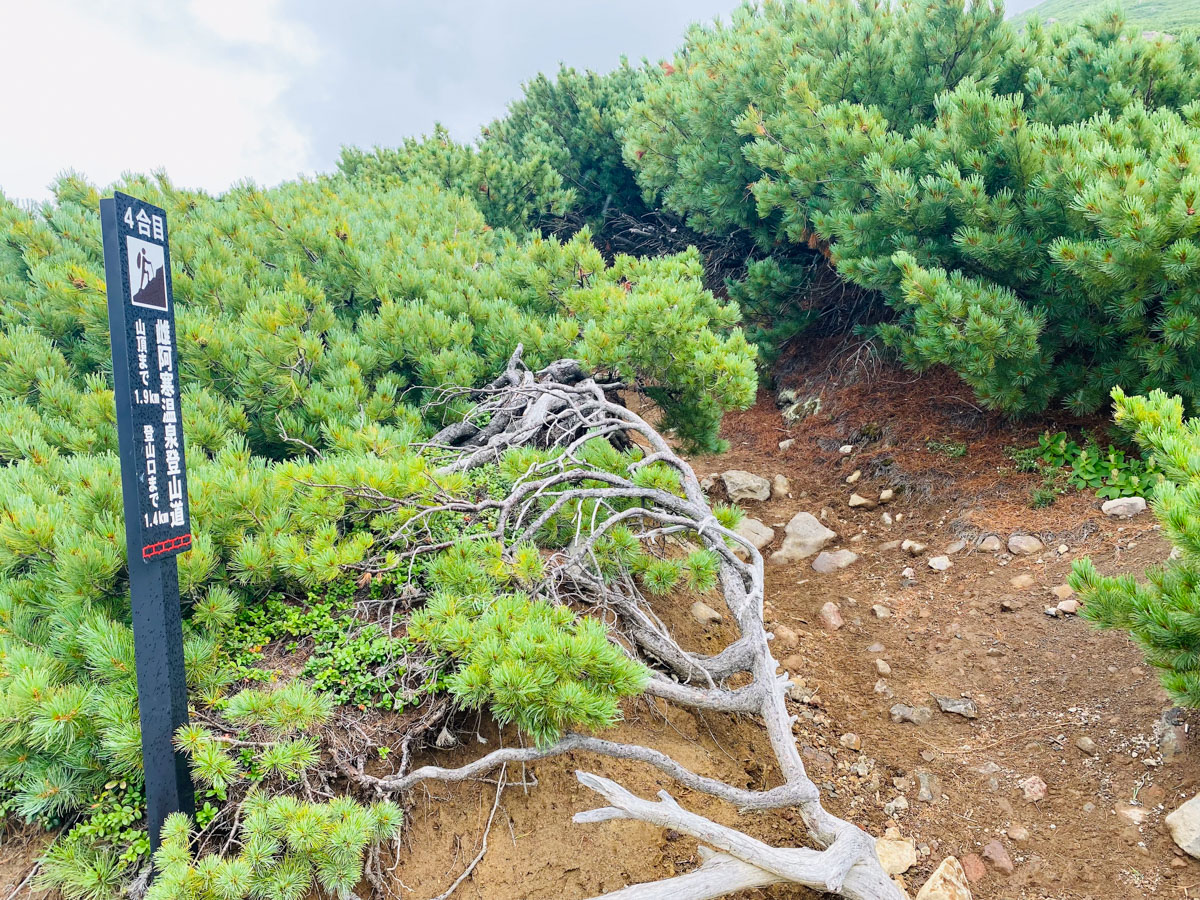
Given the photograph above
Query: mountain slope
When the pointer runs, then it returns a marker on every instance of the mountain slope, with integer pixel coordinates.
(1157, 15)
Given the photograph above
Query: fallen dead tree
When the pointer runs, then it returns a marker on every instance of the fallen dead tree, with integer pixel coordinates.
(563, 407)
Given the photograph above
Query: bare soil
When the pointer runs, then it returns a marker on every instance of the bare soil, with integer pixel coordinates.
(1039, 682)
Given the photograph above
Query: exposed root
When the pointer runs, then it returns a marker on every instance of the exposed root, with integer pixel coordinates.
(562, 407)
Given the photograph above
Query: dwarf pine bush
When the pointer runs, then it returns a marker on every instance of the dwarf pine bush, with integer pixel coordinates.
(1162, 613)
(1024, 202)
(314, 322)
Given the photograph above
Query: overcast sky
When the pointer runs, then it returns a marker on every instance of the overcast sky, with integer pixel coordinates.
(216, 91)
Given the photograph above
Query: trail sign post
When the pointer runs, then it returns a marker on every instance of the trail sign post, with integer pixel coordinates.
(141, 322)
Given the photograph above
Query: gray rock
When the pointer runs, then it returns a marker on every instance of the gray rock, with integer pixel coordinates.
(1024, 545)
(991, 544)
(940, 563)
(958, 706)
(1068, 607)
(929, 789)
(1086, 745)
(705, 614)
(787, 444)
(857, 501)
(882, 668)
(1184, 825)
(742, 485)
(804, 535)
(854, 476)
(912, 548)
(756, 533)
(827, 562)
(801, 409)
(914, 715)
(886, 495)
(881, 612)
(846, 449)
(1125, 507)
(956, 547)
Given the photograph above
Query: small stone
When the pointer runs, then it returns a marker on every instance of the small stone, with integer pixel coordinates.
(973, 867)
(705, 614)
(1062, 591)
(1009, 606)
(886, 495)
(994, 852)
(886, 519)
(817, 759)
(899, 804)
(958, 706)
(787, 444)
(786, 637)
(853, 477)
(1033, 788)
(881, 612)
(1018, 833)
(1134, 815)
(882, 668)
(991, 544)
(912, 548)
(804, 535)
(756, 532)
(827, 562)
(908, 572)
(798, 692)
(1024, 545)
(1068, 607)
(881, 688)
(850, 741)
(1184, 825)
(1062, 549)
(831, 616)
(929, 789)
(956, 547)
(780, 487)
(948, 882)
(793, 663)
(846, 449)
(857, 501)
(918, 715)
(1125, 507)
(1086, 745)
(940, 563)
(1023, 582)
(741, 485)
(896, 856)
(876, 648)
(1052, 612)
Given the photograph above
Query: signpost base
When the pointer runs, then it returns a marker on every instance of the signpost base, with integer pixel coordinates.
(162, 690)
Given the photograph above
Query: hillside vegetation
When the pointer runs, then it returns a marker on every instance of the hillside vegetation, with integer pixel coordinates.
(1022, 207)
(1171, 16)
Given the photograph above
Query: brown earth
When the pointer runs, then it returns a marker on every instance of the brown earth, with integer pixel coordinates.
(1039, 682)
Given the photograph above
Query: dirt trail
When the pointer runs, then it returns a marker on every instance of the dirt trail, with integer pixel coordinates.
(1039, 683)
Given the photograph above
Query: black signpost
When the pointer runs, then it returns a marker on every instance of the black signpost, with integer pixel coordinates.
(141, 321)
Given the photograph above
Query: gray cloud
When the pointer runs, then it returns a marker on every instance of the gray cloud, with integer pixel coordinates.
(391, 70)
